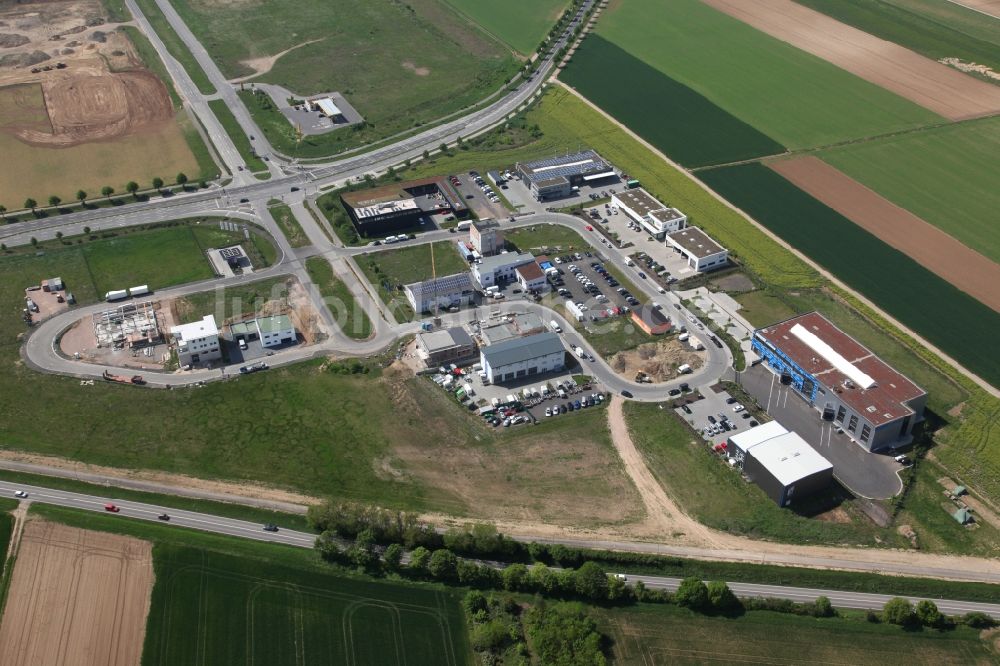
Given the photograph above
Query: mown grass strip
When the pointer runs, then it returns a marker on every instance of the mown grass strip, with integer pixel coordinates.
(175, 45)
(351, 318)
(236, 134)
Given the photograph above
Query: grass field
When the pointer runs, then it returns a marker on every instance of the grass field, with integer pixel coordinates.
(686, 126)
(235, 132)
(285, 219)
(400, 65)
(233, 301)
(934, 28)
(520, 23)
(159, 258)
(176, 46)
(795, 98)
(947, 176)
(665, 634)
(214, 608)
(353, 321)
(903, 288)
(390, 270)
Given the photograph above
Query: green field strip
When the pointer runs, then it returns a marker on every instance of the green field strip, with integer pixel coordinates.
(955, 322)
(947, 176)
(682, 123)
(794, 97)
(905, 24)
(519, 23)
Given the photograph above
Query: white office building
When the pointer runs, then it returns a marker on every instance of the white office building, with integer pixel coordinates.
(519, 358)
(499, 269)
(275, 330)
(702, 253)
(648, 212)
(197, 342)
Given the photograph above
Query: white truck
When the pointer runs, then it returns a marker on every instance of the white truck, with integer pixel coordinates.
(116, 295)
(582, 354)
(555, 327)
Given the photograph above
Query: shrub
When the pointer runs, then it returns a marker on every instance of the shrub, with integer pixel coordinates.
(722, 598)
(928, 614)
(693, 594)
(898, 611)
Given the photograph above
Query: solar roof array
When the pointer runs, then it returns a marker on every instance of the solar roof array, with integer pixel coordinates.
(575, 164)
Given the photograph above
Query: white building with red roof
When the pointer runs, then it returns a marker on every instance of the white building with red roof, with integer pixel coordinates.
(874, 404)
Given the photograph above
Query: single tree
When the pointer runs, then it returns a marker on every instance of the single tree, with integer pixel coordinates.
(81, 196)
(823, 608)
(393, 556)
(182, 179)
(34, 242)
(443, 564)
(31, 203)
(443, 148)
(419, 558)
(515, 577)
(427, 154)
(898, 611)
(132, 187)
(86, 231)
(362, 552)
(928, 614)
(54, 200)
(59, 236)
(3, 212)
(591, 581)
(107, 191)
(157, 183)
(722, 598)
(693, 594)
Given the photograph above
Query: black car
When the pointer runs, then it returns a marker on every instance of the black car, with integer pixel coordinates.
(687, 410)
(163, 516)
(295, 189)
(244, 201)
(685, 387)
(270, 527)
(711, 419)
(730, 401)
(674, 391)
(626, 394)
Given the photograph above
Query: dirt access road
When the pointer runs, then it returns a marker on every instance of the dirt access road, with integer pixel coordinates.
(77, 598)
(934, 86)
(932, 248)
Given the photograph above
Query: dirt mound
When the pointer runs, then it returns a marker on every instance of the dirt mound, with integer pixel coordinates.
(9, 41)
(88, 107)
(23, 59)
(658, 360)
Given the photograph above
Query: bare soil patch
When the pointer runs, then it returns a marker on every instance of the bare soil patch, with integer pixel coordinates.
(419, 71)
(264, 64)
(658, 360)
(77, 597)
(932, 85)
(921, 241)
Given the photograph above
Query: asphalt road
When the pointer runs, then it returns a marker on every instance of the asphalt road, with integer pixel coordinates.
(255, 531)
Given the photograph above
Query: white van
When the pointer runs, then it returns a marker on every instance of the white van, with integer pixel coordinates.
(555, 327)
(683, 337)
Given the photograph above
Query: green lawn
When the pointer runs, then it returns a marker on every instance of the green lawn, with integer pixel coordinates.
(716, 495)
(235, 132)
(160, 258)
(390, 270)
(353, 321)
(246, 299)
(285, 219)
(661, 634)
(947, 176)
(520, 23)
(686, 126)
(795, 98)
(762, 308)
(935, 28)
(175, 45)
(399, 64)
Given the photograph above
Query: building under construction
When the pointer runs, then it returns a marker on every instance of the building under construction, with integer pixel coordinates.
(132, 325)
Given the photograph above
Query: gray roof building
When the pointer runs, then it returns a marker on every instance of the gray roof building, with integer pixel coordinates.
(518, 350)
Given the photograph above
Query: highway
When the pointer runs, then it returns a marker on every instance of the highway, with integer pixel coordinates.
(249, 530)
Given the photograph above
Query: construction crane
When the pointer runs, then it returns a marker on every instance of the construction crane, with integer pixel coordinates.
(437, 316)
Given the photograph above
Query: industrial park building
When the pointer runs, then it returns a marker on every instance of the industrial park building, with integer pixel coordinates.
(440, 293)
(390, 208)
(518, 358)
(780, 462)
(447, 345)
(647, 211)
(499, 269)
(702, 253)
(531, 277)
(197, 342)
(275, 330)
(874, 404)
(555, 177)
(486, 237)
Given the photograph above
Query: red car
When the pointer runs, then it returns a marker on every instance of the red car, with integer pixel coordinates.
(590, 228)
(112, 508)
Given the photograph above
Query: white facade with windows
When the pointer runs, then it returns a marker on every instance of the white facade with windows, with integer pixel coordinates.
(648, 212)
(275, 330)
(519, 358)
(700, 250)
(197, 342)
(500, 267)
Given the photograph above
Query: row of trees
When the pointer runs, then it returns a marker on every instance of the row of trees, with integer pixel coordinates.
(107, 191)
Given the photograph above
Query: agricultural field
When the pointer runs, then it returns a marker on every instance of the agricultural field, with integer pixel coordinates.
(748, 74)
(665, 634)
(60, 601)
(400, 65)
(682, 123)
(217, 608)
(934, 28)
(907, 291)
(522, 24)
(946, 176)
(348, 314)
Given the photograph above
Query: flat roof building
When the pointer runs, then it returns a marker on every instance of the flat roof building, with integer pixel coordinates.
(440, 293)
(874, 404)
(648, 212)
(700, 250)
(555, 177)
(197, 342)
(780, 462)
(499, 268)
(447, 345)
(486, 237)
(393, 207)
(275, 330)
(519, 358)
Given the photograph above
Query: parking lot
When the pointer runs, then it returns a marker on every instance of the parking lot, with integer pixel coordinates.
(871, 475)
(612, 219)
(476, 190)
(521, 198)
(587, 282)
(714, 413)
(254, 350)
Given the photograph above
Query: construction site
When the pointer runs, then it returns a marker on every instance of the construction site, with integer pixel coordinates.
(128, 335)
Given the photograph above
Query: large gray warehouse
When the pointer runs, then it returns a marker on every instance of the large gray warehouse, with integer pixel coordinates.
(780, 462)
(518, 358)
(555, 177)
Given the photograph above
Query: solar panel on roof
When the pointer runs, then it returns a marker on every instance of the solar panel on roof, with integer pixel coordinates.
(231, 253)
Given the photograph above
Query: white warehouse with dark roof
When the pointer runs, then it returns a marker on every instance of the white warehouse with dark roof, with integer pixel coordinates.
(555, 177)
(700, 250)
(519, 358)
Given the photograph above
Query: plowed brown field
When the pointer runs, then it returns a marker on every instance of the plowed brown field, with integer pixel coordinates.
(77, 598)
(921, 241)
(932, 85)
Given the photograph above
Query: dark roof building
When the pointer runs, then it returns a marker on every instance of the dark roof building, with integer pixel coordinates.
(388, 208)
(556, 177)
(443, 292)
(523, 357)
